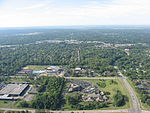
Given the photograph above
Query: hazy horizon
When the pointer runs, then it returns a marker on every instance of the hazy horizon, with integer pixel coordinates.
(82, 27)
(32, 13)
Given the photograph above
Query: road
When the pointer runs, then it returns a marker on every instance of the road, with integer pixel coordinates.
(78, 52)
(135, 102)
(80, 111)
(92, 78)
(62, 75)
(15, 109)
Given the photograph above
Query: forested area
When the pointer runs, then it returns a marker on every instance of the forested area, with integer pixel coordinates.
(50, 94)
(136, 65)
(100, 60)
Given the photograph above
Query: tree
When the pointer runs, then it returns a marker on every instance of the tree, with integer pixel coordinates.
(23, 103)
(119, 99)
(73, 99)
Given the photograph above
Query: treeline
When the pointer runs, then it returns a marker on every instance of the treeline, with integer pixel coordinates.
(25, 36)
(50, 94)
(18, 112)
(3, 79)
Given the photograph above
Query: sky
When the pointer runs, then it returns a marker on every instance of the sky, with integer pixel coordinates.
(25, 13)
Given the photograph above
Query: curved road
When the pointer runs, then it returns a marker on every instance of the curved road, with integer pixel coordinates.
(135, 102)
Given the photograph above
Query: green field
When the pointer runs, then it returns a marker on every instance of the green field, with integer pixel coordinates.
(16, 79)
(1, 111)
(21, 79)
(7, 104)
(36, 67)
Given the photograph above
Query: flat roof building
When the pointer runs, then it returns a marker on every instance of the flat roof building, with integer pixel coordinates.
(14, 89)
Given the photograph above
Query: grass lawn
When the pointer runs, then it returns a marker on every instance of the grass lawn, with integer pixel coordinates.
(3, 104)
(143, 105)
(19, 79)
(9, 104)
(1, 111)
(36, 67)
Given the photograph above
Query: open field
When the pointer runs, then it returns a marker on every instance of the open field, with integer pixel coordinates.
(7, 104)
(36, 67)
(20, 79)
(16, 79)
(3, 103)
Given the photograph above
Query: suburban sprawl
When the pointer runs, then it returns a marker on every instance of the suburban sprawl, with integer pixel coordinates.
(75, 70)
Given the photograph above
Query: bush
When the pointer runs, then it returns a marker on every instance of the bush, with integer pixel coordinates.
(148, 102)
(73, 99)
(119, 99)
(23, 103)
(94, 105)
(102, 84)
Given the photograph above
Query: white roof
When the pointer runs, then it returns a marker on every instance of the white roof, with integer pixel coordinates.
(77, 68)
(15, 89)
(5, 97)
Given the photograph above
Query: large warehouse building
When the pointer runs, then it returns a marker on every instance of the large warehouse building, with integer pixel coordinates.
(13, 90)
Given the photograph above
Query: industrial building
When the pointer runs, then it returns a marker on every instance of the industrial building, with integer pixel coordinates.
(11, 91)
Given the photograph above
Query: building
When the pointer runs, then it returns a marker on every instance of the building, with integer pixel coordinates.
(26, 71)
(77, 69)
(54, 69)
(6, 97)
(13, 90)
(38, 72)
(94, 97)
(1, 85)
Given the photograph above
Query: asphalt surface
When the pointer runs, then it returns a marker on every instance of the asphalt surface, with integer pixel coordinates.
(135, 102)
(91, 78)
(80, 111)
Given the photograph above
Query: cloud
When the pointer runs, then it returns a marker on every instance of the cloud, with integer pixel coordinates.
(91, 12)
(36, 5)
(32, 6)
